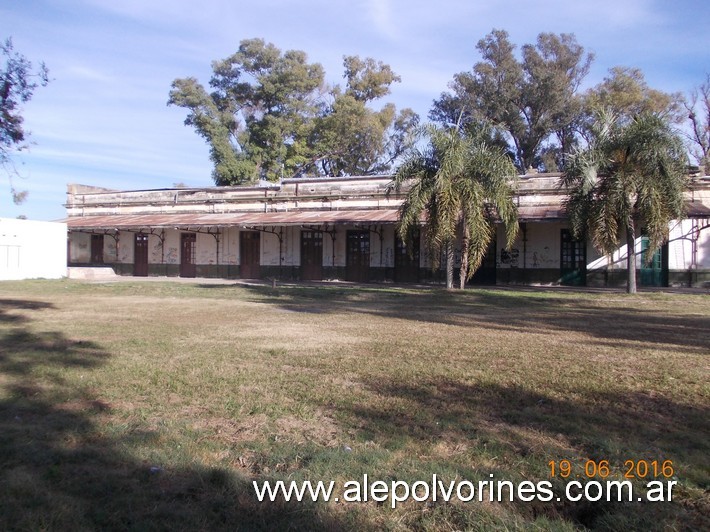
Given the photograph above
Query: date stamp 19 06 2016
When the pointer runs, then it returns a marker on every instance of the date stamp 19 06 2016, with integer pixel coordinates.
(631, 469)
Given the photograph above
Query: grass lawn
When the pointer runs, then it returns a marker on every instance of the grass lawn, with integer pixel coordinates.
(153, 405)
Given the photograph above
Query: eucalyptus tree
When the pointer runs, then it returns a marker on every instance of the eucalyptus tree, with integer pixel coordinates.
(459, 184)
(631, 177)
(698, 109)
(625, 92)
(533, 101)
(270, 114)
(18, 81)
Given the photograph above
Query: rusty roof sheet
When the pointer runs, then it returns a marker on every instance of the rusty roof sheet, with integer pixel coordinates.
(541, 213)
(138, 221)
(697, 209)
(538, 213)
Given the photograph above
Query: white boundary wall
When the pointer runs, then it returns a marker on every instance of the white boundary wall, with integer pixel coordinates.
(32, 249)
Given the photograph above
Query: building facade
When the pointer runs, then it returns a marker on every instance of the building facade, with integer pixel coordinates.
(344, 228)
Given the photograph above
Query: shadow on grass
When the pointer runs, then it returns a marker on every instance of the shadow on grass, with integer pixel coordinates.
(523, 430)
(61, 470)
(503, 309)
(7, 306)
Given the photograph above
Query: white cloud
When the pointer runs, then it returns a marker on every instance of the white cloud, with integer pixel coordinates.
(380, 13)
(84, 73)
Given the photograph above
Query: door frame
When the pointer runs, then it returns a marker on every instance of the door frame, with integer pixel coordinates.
(311, 270)
(487, 272)
(188, 250)
(406, 268)
(357, 261)
(97, 248)
(573, 260)
(249, 249)
(140, 254)
(655, 274)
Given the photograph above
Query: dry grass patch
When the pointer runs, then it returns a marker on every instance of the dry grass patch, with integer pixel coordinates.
(152, 405)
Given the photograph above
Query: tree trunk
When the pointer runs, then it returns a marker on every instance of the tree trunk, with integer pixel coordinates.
(463, 273)
(631, 257)
(449, 265)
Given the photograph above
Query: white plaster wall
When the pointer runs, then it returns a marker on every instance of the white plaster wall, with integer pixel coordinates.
(686, 237)
(80, 247)
(680, 248)
(126, 243)
(31, 249)
(377, 259)
(328, 248)
(292, 246)
(205, 249)
(704, 243)
(155, 250)
(109, 249)
(542, 249)
(172, 247)
(340, 244)
(230, 246)
(543, 245)
(269, 249)
(389, 231)
(680, 245)
(513, 256)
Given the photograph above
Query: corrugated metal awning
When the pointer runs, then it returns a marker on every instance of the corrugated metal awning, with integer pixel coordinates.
(697, 209)
(526, 213)
(541, 213)
(143, 221)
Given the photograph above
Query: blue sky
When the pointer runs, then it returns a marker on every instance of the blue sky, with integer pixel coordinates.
(103, 119)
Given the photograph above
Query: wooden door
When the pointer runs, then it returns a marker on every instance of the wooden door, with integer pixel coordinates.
(406, 260)
(140, 255)
(188, 250)
(97, 249)
(250, 254)
(357, 256)
(311, 255)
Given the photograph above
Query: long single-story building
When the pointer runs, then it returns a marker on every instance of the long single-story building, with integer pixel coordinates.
(344, 228)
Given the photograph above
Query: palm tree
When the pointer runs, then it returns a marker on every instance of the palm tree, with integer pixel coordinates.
(462, 185)
(631, 176)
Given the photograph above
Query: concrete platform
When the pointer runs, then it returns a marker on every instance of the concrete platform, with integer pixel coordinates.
(93, 273)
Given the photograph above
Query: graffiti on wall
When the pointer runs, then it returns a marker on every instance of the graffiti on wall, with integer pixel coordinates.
(509, 257)
(171, 256)
(542, 258)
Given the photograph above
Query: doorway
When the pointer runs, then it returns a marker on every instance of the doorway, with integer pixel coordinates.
(406, 259)
(311, 255)
(97, 249)
(188, 250)
(357, 256)
(573, 260)
(655, 272)
(250, 253)
(140, 255)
